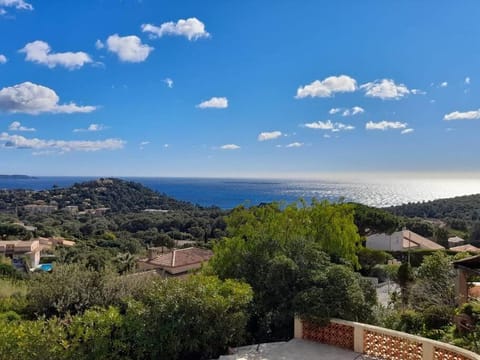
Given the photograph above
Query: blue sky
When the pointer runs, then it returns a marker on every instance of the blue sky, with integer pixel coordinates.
(238, 88)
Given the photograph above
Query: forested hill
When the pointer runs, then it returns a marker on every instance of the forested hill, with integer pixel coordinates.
(466, 208)
(115, 194)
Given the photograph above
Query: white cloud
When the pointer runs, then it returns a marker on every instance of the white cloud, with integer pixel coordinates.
(143, 144)
(407, 131)
(214, 102)
(444, 84)
(229, 147)
(3, 59)
(347, 112)
(17, 126)
(99, 44)
(294, 144)
(329, 125)
(20, 142)
(467, 115)
(353, 111)
(385, 125)
(2, 11)
(17, 4)
(40, 52)
(467, 80)
(418, 92)
(269, 135)
(327, 87)
(191, 28)
(385, 89)
(35, 99)
(128, 48)
(169, 82)
(92, 128)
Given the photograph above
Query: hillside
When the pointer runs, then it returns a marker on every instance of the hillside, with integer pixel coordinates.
(117, 195)
(466, 208)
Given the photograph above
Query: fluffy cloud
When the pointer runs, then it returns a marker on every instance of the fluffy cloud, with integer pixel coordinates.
(385, 89)
(214, 102)
(385, 125)
(92, 128)
(128, 48)
(407, 131)
(17, 4)
(34, 99)
(17, 126)
(20, 142)
(467, 80)
(444, 84)
(334, 111)
(3, 59)
(329, 125)
(40, 52)
(294, 144)
(169, 82)
(269, 135)
(191, 28)
(327, 87)
(229, 147)
(467, 115)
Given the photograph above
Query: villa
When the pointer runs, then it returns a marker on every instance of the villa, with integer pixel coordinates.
(403, 240)
(18, 250)
(174, 262)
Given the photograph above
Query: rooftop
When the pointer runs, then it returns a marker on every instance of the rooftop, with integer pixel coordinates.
(176, 260)
(292, 350)
(413, 240)
(465, 248)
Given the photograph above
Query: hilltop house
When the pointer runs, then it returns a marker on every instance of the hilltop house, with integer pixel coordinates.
(403, 240)
(18, 249)
(174, 262)
(455, 241)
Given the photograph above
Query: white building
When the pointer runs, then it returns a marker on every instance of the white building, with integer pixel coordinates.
(401, 241)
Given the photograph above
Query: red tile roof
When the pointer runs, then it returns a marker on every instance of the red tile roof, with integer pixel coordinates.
(181, 257)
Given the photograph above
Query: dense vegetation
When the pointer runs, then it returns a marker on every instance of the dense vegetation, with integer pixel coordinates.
(271, 262)
(461, 214)
(124, 228)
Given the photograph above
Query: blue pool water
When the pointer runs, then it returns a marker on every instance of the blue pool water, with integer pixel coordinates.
(45, 267)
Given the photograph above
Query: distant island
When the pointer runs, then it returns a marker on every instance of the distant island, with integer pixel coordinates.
(17, 177)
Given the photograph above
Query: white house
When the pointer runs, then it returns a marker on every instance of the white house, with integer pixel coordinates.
(401, 241)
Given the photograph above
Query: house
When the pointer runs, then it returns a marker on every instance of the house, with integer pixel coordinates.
(403, 240)
(465, 269)
(174, 262)
(40, 209)
(51, 242)
(18, 249)
(455, 241)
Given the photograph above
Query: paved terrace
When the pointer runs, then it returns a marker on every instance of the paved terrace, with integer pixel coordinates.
(295, 349)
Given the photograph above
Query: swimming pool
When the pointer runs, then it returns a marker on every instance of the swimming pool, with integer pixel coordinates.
(45, 267)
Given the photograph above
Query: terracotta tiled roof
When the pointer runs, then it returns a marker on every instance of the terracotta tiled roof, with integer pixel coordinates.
(462, 248)
(182, 257)
(413, 240)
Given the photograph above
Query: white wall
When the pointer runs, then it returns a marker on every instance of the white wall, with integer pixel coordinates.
(386, 242)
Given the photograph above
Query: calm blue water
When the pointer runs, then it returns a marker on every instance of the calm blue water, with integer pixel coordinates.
(228, 193)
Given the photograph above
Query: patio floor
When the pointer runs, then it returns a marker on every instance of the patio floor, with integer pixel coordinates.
(292, 350)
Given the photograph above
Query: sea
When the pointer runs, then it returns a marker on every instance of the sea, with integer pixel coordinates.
(229, 193)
